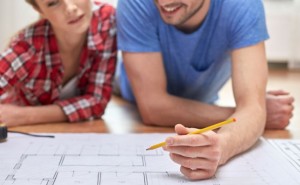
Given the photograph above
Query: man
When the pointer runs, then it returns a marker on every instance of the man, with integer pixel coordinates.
(178, 54)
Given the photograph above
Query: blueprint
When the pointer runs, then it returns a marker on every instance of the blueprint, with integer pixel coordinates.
(290, 149)
(106, 159)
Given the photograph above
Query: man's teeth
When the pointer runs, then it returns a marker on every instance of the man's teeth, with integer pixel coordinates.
(170, 9)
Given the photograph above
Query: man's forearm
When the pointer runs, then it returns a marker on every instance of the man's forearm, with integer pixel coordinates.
(240, 136)
(171, 110)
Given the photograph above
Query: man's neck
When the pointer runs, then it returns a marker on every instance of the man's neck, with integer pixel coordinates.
(196, 21)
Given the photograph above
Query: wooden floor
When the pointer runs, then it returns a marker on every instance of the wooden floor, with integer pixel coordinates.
(279, 78)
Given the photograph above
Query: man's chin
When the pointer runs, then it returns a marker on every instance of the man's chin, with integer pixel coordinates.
(170, 22)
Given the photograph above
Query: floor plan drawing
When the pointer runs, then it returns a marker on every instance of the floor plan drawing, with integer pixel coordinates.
(103, 159)
(290, 149)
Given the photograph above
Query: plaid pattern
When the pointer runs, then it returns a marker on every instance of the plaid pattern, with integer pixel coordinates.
(31, 66)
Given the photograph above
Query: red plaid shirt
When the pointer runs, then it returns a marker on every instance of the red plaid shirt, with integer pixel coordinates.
(32, 66)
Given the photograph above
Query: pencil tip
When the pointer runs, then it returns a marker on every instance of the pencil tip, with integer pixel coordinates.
(234, 119)
(148, 149)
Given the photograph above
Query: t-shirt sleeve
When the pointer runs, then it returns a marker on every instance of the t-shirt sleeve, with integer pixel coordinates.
(247, 24)
(136, 28)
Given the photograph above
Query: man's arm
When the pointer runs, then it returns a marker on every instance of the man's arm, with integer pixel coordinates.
(249, 78)
(148, 81)
(200, 155)
(279, 109)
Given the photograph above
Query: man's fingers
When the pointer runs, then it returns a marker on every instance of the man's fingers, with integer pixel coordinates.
(278, 92)
(193, 163)
(186, 140)
(181, 130)
(286, 99)
(197, 174)
(204, 139)
(195, 152)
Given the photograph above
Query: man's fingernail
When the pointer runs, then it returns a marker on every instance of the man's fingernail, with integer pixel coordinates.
(170, 141)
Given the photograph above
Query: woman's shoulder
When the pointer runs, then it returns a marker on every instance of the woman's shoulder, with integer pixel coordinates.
(103, 10)
(34, 34)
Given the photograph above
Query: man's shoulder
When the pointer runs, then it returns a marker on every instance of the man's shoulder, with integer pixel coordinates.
(240, 4)
(140, 3)
(239, 9)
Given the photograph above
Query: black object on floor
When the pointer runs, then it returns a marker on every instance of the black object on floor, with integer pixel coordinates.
(3, 132)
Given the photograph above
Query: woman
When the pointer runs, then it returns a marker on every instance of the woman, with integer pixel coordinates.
(61, 67)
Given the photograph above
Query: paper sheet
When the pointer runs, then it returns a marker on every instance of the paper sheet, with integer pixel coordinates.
(290, 149)
(103, 159)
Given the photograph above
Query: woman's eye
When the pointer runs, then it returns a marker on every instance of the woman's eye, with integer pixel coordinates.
(52, 3)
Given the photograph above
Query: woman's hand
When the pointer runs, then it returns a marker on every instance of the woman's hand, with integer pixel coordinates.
(13, 115)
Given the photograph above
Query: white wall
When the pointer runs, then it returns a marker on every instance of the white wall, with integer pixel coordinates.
(283, 21)
(14, 15)
(17, 14)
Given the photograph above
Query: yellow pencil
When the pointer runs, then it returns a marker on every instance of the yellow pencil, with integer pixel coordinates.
(198, 131)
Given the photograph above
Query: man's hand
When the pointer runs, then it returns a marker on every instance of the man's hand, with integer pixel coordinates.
(198, 154)
(279, 109)
(12, 115)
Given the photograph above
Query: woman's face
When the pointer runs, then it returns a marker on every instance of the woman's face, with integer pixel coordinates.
(71, 16)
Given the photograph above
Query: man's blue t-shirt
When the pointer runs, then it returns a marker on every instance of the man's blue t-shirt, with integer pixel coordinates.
(196, 64)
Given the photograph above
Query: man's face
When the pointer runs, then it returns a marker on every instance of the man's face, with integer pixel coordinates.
(67, 15)
(180, 13)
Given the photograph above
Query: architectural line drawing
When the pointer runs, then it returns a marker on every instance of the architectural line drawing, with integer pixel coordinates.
(103, 159)
(290, 149)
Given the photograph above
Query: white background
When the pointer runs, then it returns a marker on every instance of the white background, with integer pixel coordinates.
(283, 20)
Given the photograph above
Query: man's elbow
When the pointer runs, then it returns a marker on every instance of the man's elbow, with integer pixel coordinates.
(152, 115)
(150, 119)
